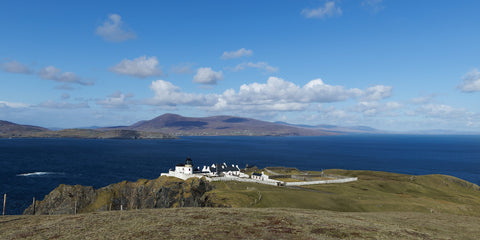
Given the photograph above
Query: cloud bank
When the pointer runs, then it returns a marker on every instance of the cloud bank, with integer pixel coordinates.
(274, 95)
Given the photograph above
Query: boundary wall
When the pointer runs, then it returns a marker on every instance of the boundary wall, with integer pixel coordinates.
(344, 180)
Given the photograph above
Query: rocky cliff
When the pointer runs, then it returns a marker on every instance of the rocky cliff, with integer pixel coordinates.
(164, 192)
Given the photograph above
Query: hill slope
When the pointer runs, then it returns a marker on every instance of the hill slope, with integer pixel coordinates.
(9, 129)
(12, 130)
(241, 223)
(220, 126)
(373, 192)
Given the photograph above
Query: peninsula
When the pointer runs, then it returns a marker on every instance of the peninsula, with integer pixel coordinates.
(378, 205)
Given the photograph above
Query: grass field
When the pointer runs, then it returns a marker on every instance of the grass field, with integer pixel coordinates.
(379, 205)
(373, 192)
(240, 223)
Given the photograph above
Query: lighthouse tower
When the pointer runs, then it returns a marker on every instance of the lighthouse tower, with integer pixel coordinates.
(188, 166)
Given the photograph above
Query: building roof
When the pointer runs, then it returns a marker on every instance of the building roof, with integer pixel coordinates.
(256, 174)
(219, 168)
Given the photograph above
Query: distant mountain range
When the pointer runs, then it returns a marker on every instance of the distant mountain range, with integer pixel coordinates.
(173, 125)
(177, 125)
(12, 130)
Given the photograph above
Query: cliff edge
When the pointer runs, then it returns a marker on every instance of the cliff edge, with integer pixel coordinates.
(163, 192)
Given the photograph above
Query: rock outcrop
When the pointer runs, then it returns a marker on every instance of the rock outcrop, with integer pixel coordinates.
(164, 192)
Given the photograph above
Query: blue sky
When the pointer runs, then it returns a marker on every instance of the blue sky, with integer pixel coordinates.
(393, 65)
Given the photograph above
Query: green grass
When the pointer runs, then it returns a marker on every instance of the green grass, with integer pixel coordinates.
(240, 223)
(373, 192)
(379, 205)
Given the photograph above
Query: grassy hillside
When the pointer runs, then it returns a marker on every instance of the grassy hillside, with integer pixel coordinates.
(379, 205)
(373, 192)
(240, 223)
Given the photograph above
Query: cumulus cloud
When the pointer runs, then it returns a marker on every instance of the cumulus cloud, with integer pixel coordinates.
(471, 82)
(167, 94)
(116, 100)
(207, 76)
(55, 74)
(141, 67)
(328, 10)
(62, 105)
(5, 104)
(377, 92)
(113, 30)
(16, 67)
(259, 65)
(242, 52)
(274, 95)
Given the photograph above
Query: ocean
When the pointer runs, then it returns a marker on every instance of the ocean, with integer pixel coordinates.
(33, 167)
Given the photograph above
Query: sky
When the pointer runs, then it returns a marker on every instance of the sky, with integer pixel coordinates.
(392, 65)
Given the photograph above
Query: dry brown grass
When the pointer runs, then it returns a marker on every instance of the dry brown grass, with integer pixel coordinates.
(240, 223)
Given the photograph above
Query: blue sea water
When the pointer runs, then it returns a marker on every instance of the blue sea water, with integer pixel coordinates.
(33, 167)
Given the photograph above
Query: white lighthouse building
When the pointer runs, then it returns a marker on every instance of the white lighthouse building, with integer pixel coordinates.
(186, 168)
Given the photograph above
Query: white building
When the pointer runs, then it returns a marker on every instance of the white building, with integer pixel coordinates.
(258, 176)
(187, 170)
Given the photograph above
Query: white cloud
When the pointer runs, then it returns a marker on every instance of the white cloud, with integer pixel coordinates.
(242, 52)
(207, 76)
(4, 104)
(62, 105)
(113, 30)
(259, 65)
(375, 108)
(328, 10)
(55, 74)
(280, 95)
(423, 99)
(374, 5)
(471, 82)
(442, 111)
(274, 95)
(116, 100)
(168, 94)
(141, 67)
(16, 67)
(377, 92)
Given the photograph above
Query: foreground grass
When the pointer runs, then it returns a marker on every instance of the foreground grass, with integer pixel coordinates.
(240, 223)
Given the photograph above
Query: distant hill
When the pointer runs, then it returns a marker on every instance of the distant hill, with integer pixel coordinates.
(13, 130)
(220, 126)
(9, 129)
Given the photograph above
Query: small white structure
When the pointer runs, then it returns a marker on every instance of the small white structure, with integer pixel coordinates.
(261, 177)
